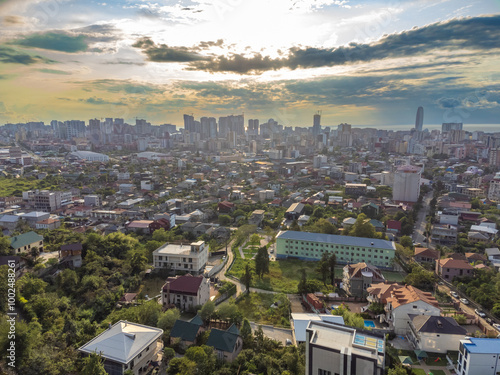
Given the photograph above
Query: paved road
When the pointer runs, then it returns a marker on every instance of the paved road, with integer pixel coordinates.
(418, 233)
(274, 333)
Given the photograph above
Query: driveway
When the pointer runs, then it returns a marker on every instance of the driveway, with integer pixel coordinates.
(274, 333)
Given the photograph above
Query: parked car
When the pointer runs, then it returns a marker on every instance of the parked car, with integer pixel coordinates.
(464, 301)
(480, 313)
(496, 326)
(454, 294)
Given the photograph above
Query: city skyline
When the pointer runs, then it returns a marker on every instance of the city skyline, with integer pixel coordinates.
(368, 64)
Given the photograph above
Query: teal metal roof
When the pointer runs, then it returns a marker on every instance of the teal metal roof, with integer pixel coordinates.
(25, 239)
(186, 331)
(222, 340)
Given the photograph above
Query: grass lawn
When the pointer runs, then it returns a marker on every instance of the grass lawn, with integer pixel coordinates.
(151, 287)
(437, 372)
(431, 361)
(256, 307)
(284, 275)
(418, 371)
(393, 276)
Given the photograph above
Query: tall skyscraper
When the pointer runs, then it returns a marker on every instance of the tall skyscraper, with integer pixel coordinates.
(419, 121)
(188, 123)
(316, 124)
(406, 183)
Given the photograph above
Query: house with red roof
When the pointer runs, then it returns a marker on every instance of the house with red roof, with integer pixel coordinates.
(394, 226)
(185, 292)
(449, 268)
(425, 255)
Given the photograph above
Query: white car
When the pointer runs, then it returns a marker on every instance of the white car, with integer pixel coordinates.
(464, 301)
(496, 326)
(454, 294)
(480, 313)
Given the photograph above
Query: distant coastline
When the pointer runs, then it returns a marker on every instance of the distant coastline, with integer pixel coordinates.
(487, 128)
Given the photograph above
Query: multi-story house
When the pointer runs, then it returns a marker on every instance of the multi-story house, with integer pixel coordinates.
(337, 349)
(186, 292)
(357, 278)
(449, 268)
(478, 356)
(189, 258)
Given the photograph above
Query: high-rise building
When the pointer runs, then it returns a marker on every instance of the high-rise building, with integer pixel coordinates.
(447, 126)
(316, 124)
(406, 184)
(188, 123)
(419, 121)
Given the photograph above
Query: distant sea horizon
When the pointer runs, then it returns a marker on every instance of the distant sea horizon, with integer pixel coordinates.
(487, 128)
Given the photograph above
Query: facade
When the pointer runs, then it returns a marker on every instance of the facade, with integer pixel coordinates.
(449, 268)
(478, 356)
(46, 201)
(26, 241)
(435, 334)
(256, 217)
(186, 292)
(406, 184)
(311, 246)
(358, 277)
(494, 190)
(88, 156)
(425, 255)
(337, 349)
(92, 200)
(49, 223)
(355, 190)
(126, 346)
(405, 301)
(444, 234)
(189, 258)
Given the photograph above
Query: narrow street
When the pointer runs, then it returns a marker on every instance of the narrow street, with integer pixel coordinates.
(418, 232)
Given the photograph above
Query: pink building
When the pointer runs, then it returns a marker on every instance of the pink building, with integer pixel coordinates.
(449, 268)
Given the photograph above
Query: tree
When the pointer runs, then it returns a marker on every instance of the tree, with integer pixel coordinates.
(207, 311)
(93, 365)
(5, 248)
(67, 280)
(324, 267)
(303, 281)
(225, 220)
(421, 278)
(363, 228)
(255, 239)
(246, 333)
(406, 241)
(204, 357)
(138, 261)
(34, 252)
(247, 277)
(398, 370)
(332, 262)
(229, 312)
(168, 354)
(295, 226)
(181, 366)
(262, 262)
(167, 319)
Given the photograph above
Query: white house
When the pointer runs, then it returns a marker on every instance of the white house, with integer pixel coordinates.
(190, 258)
(126, 346)
(436, 334)
(405, 301)
(186, 292)
(478, 356)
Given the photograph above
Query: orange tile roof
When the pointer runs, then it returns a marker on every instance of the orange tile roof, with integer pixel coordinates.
(383, 290)
(409, 294)
(455, 263)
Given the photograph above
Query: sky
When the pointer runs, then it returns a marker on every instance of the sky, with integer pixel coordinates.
(370, 63)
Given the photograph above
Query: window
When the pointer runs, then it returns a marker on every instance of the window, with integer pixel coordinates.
(160, 258)
(324, 372)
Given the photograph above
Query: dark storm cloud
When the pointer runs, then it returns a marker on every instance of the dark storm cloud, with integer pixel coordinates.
(100, 101)
(478, 33)
(12, 21)
(13, 56)
(55, 41)
(164, 53)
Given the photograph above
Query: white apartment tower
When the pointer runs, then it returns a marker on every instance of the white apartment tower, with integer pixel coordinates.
(406, 183)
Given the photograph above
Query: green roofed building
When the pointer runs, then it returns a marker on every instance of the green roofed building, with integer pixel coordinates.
(26, 241)
(227, 344)
(311, 246)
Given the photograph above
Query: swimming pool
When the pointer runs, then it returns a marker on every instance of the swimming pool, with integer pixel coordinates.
(369, 324)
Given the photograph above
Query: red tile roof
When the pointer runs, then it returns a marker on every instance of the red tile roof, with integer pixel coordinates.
(187, 284)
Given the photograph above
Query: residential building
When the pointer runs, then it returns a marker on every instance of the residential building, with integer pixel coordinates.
(33, 217)
(227, 344)
(379, 293)
(50, 223)
(435, 334)
(478, 356)
(26, 241)
(256, 217)
(477, 237)
(425, 255)
(449, 268)
(186, 332)
(126, 346)
(9, 222)
(494, 190)
(355, 190)
(357, 278)
(185, 292)
(311, 246)
(300, 321)
(406, 184)
(493, 254)
(46, 201)
(92, 200)
(71, 255)
(159, 224)
(337, 349)
(444, 234)
(188, 258)
(408, 300)
(294, 211)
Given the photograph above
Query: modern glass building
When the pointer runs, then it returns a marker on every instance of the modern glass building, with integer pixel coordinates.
(311, 246)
